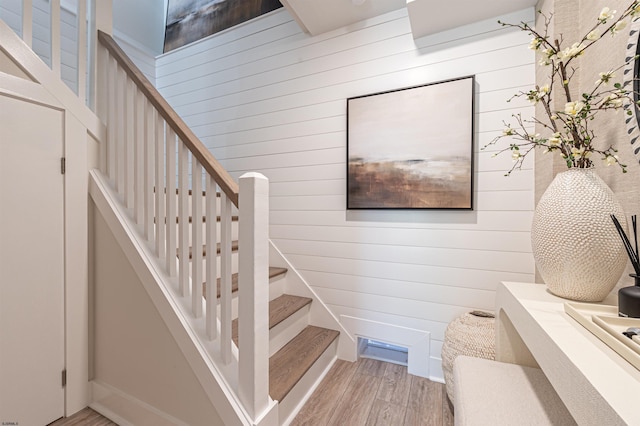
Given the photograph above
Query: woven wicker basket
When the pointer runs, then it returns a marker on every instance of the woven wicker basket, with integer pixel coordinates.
(472, 334)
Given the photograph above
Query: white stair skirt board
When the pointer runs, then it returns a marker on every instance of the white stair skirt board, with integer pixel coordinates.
(416, 341)
(108, 401)
(290, 406)
(319, 314)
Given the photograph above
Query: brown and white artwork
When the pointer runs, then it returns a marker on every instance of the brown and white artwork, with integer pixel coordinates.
(412, 148)
(191, 20)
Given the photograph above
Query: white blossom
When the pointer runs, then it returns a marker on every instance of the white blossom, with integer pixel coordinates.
(508, 131)
(577, 152)
(614, 100)
(606, 14)
(535, 43)
(573, 108)
(620, 25)
(605, 77)
(555, 140)
(515, 155)
(544, 62)
(593, 36)
(611, 160)
(544, 90)
(576, 49)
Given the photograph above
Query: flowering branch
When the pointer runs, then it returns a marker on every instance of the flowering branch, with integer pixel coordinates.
(570, 134)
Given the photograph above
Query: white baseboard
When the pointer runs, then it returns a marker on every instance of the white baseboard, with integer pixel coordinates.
(127, 410)
(435, 370)
(416, 341)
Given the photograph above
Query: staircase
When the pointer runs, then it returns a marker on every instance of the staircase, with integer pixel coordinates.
(254, 333)
(296, 348)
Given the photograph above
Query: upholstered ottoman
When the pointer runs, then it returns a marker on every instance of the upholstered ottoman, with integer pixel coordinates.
(471, 334)
(491, 393)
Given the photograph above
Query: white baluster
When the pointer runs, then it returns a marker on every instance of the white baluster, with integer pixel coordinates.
(160, 186)
(149, 170)
(196, 237)
(139, 143)
(112, 120)
(81, 22)
(56, 64)
(253, 293)
(27, 22)
(183, 216)
(129, 142)
(170, 197)
(103, 112)
(121, 112)
(225, 278)
(212, 273)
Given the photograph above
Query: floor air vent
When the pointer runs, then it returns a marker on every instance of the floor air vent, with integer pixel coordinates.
(374, 349)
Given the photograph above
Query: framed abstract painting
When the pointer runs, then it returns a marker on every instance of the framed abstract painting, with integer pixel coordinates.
(191, 20)
(412, 148)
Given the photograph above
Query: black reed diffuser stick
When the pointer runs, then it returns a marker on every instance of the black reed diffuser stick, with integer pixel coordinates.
(633, 253)
(635, 232)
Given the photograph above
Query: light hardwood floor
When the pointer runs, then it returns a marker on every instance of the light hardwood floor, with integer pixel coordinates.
(366, 392)
(370, 392)
(86, 417)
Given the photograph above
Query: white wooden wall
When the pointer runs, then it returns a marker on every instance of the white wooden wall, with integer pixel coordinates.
(266, 97)
(140, 55)
(11, 12)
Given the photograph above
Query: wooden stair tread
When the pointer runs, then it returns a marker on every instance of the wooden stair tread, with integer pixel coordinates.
(280, 309)
(289, 364)
(234, 247)
(273, 272)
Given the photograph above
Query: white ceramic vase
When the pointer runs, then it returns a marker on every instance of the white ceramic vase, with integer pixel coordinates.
(577, 249)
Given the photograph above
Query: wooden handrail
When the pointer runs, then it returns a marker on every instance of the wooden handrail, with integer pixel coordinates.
(191, 141)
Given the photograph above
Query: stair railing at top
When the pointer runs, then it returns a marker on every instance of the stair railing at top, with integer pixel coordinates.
(155, 161)
(89, 15)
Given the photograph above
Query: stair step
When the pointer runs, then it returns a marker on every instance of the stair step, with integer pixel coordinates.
(280, 309)
(273, 272)
(234, 247)
(204, 219)
(289, 364)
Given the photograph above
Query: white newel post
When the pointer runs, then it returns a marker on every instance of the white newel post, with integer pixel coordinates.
(253, 293)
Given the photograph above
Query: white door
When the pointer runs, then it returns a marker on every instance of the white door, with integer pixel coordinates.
(31, 263)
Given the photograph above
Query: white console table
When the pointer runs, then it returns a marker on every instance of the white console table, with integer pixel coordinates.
(597, 385)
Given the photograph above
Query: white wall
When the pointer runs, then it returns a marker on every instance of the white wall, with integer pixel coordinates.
(11, 13)
(141, 20)
(266, 97)
(139, 54)
(137, 49)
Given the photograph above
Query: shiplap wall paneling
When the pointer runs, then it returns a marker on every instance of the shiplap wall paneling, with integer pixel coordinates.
(11, 12)
(140, 55)
(266, 97)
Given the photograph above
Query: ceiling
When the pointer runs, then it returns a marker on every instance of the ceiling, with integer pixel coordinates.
(426, 16)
